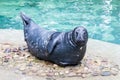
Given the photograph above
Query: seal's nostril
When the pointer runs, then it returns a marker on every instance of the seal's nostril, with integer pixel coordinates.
(82, 41)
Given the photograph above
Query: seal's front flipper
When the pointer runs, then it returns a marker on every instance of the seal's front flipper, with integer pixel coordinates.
(51, 46)
(54, 41)
(26, 20)
(64, 64)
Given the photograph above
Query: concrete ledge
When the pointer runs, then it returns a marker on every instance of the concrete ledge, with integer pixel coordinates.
(104, 49)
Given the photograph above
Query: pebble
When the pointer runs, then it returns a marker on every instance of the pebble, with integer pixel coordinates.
(22, 68)
(30, 64)
(105, 73)
(95, 73)
(55, 65)
(34, 69)
(61, 73)
(67, 72)
(71, 74)
(97, 62)
(117, 67)
(86, 70)
(83, 75)
(101, 67)
(114, 71)
(43, 74)
(50, 78)
(17, 71)
(21, 48)
(11, 65)
(16, 57)
(50, 74)
(27, 55)
(56, 74)
(14, 50)
(7, 50)
(6, 58)
(21, 58)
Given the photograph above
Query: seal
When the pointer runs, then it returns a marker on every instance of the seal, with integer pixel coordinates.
(61, 48)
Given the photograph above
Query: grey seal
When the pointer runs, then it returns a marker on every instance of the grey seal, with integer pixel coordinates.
(61, 48)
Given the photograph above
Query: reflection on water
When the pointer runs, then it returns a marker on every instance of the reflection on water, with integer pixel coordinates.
(107, 19)
(100, 17)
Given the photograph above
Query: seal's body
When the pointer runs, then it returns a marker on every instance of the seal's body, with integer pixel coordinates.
(62, 48)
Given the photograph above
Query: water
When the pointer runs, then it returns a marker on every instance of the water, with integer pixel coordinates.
(100, 17)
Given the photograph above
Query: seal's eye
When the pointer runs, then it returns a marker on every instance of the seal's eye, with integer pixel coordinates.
(76, 34)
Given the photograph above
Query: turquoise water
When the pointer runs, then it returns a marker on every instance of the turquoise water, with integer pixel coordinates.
(100, 17)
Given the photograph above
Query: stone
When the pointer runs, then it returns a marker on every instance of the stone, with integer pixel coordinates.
(16, 57)
(50, 74)
(55, 65)
(71, 74)
(95, 73)
(114, 71)
(61, 72)
(27, 55)
(29, 64)
(86, 70)
(117, 67)
(66, 71)
(14, 50)
(56, 74)
(6, 58)
(7, 50)
(23, 48)
(43, 74)
(83, 75)
(105, 73)
(101, 67)
(17, 71)
(21, 58)
(97, 62)
(34, 69)
(50, 78)
(22, 68)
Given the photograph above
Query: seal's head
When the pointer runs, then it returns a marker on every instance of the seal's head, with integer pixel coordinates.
(26, 20)
(80, 36)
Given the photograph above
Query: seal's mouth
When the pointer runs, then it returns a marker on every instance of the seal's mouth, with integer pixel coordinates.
(81, 43)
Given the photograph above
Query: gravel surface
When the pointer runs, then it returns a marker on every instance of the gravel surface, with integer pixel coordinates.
(18, 59)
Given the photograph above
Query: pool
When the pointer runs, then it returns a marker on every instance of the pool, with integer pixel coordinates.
(100, 17)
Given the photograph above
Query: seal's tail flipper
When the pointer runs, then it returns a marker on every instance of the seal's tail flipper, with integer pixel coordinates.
(26, 20)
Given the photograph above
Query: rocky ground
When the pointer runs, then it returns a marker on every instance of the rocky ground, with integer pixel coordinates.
(18, 59)
(101, 61)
